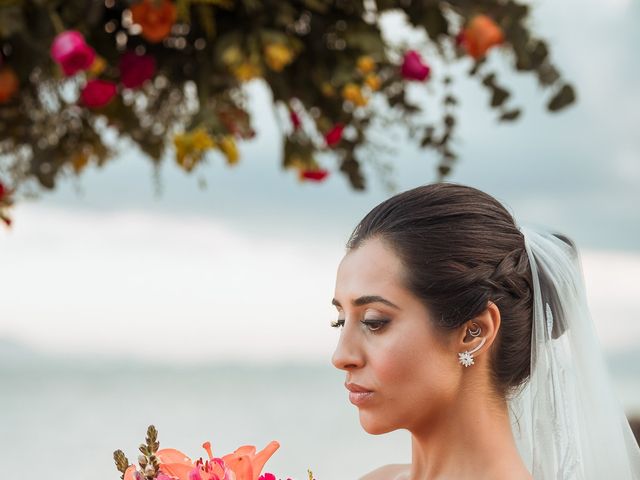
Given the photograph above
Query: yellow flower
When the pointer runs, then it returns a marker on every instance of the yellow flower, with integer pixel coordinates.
(245, 71)
(190, 147)
(228, 146)
(366, 64)
(353, 93)
(373, 82)
(201, 140)
(232, 55)
(327, 89)
(277, 56)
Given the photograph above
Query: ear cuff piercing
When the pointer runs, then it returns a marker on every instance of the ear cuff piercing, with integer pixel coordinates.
(466, 357)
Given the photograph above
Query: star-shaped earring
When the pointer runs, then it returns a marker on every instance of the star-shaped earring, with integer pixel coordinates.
(466, 357)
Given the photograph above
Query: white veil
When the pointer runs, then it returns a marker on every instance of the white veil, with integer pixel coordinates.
(567, 421)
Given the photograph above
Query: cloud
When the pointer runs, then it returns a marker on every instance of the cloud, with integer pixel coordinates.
(164, 287)
(190, 288)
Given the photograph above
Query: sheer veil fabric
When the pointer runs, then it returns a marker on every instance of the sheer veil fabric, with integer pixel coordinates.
(567, 421)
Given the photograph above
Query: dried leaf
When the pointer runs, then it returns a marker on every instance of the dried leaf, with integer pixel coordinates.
(510, 115)
(565, 97)
(499, 96)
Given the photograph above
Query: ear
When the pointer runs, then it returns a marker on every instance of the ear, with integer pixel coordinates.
(489, 323)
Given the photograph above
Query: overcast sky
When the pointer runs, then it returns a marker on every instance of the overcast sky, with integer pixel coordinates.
(245, 268)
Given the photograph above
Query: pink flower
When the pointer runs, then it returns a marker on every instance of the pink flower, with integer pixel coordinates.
(195, 474)
(71, 52)
(334, 135)
(136, 69)
(162, 476)
(98, 93)
(413, 68)
(267, 476)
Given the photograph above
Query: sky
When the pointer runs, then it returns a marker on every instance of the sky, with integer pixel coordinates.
(245, 269)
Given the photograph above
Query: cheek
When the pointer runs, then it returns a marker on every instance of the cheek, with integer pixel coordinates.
(415, 368)
(415, 378)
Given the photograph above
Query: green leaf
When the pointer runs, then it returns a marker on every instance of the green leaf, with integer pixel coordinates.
(434, 22)
(298, 154)
(207, 20)
(11, 19)
(320, 6)
(365, 38)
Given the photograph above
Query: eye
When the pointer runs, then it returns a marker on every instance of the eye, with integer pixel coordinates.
(337, 323)
(375, 325)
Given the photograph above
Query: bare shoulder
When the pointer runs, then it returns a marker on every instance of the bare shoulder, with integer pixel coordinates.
(394, 471)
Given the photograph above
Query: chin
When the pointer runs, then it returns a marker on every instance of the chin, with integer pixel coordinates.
(375, 424)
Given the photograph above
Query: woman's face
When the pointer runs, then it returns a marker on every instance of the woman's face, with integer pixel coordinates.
(388, 345)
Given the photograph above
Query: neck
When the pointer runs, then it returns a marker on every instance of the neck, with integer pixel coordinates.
(472, 440)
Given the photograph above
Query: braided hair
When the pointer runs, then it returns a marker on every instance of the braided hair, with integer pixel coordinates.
(461, 248)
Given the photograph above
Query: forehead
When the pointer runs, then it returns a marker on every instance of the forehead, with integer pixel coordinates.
(373, 268)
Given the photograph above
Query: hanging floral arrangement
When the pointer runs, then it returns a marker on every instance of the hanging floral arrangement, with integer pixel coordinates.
(169, 76)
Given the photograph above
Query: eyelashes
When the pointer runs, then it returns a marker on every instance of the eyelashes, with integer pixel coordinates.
(337, 323)
(373, 326)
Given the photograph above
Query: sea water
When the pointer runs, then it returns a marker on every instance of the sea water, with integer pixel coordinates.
(62, 419)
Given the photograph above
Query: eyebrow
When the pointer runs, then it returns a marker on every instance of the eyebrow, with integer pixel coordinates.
(367, 299)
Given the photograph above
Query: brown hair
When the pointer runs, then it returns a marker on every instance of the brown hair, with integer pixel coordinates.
(461, 248)
(635, 428)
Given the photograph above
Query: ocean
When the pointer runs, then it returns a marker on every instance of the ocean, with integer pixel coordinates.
(63, 418)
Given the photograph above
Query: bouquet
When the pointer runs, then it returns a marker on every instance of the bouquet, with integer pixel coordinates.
(170, 464)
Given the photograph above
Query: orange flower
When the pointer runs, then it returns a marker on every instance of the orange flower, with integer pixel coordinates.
(366, 64)
(243, 464)
(480, 35)
(246, 463)
(8, 84)
(373, 81)
(155, 17)
(353, 93)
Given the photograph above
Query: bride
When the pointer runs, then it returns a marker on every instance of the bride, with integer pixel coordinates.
(473, 334)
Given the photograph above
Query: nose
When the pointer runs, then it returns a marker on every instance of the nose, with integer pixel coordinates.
(347, 354)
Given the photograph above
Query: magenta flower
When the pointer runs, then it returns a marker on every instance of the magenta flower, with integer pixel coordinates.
(295, 120)
(136, 69)
(98, 93)
(413, 68)
(267, 476)
(334, 135)
(315, 176)
(195, 474)
(71, 52)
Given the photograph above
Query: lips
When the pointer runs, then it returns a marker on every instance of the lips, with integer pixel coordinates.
(354, 387)
(358, 394)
